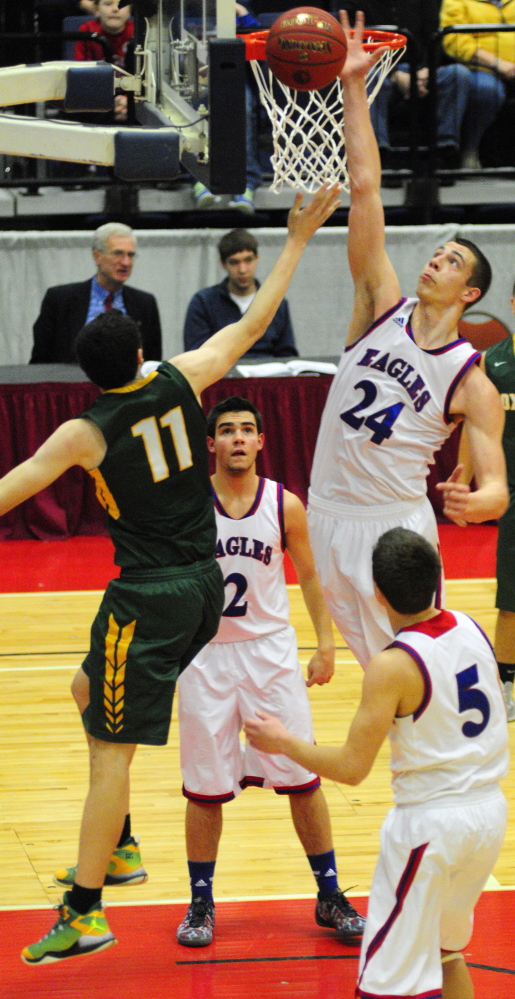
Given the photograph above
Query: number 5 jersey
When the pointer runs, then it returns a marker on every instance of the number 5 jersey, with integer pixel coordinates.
(457, 740)
(386, 414)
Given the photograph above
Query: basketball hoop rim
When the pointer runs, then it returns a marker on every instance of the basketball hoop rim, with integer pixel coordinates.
(255, 42)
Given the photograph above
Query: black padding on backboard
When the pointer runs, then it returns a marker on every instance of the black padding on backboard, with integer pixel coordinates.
(90, 88)
(227, 128)
(146, 154)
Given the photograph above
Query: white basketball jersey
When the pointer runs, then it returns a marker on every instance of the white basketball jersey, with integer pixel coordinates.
(251, 556)
(458, 738)
(386, 414)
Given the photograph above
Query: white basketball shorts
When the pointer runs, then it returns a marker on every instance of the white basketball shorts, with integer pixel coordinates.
(434, 862)
(342, 543)
(223, 686)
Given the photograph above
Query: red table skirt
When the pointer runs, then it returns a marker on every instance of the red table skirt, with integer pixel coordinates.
(291, 409)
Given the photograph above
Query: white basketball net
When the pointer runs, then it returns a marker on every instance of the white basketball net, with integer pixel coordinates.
(307, 127)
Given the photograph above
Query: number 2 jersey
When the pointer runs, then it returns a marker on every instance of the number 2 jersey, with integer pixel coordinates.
(386, 414)
(154, 478)
(457, 740)
(250, 553)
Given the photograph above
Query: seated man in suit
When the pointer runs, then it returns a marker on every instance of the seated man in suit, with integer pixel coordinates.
(68, 307)
(212, 308)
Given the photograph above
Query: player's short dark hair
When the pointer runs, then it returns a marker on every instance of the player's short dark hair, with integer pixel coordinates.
(234, 404)
(481, 276)
(236, 241)
(107, 349)
(406, 568)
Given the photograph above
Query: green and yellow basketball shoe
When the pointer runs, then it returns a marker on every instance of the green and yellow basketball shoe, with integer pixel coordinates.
(72, 935)
(125, 867)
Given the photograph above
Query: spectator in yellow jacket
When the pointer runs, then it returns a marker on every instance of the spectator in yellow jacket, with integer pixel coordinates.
(490, 58)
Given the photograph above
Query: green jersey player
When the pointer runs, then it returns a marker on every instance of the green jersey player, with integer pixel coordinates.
(144, 442)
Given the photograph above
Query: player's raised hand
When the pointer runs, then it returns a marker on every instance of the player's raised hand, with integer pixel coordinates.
(455, 497)
(358, 61)
(266, 733)
(303, 222)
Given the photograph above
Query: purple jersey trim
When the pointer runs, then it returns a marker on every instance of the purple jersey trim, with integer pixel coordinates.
(486, 638)
(251, 782)
(284, 789)
(447, 346)
(254, 507)
(403, 887)
(390, 995)
(439, 588)
(435, 350)
(428, 687)
(376, 323)
(448, 417)
(212, 799)
(280, 513)
(298, 788)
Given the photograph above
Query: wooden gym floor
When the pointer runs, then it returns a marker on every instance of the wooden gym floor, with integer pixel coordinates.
(43, 779)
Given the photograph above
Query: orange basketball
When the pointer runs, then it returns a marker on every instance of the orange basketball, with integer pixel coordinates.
(306, 48)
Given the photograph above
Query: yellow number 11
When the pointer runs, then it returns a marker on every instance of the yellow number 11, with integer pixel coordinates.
(149, 431)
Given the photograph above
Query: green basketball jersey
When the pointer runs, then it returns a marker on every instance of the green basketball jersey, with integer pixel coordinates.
(154, 478)
(500, 368)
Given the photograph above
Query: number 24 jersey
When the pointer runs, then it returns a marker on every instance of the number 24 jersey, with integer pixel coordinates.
(386, 414)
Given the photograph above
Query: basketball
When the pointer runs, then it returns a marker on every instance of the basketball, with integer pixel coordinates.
(306, 48)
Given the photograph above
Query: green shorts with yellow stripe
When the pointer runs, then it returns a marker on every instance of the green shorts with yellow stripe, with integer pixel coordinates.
(149, 626)
(505, 599)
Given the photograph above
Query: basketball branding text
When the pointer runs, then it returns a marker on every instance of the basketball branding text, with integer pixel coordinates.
(306, 21)
(302, 45)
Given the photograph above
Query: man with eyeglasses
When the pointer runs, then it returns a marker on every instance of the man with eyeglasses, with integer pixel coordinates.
(68, 307)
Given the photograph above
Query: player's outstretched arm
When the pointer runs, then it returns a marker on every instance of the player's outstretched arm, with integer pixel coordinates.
(217, 355)
(321, 664)
(383, 689)
(477, 399)
(376, 285)
(76, 442)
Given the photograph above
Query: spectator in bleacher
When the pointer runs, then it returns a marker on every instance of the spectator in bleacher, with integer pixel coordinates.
(115, 24)
(420, 18)
(490, 58)
(68, 307)
(212, 308)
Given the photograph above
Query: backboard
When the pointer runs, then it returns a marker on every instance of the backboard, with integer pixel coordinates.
(188, 86)
(194, 71)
